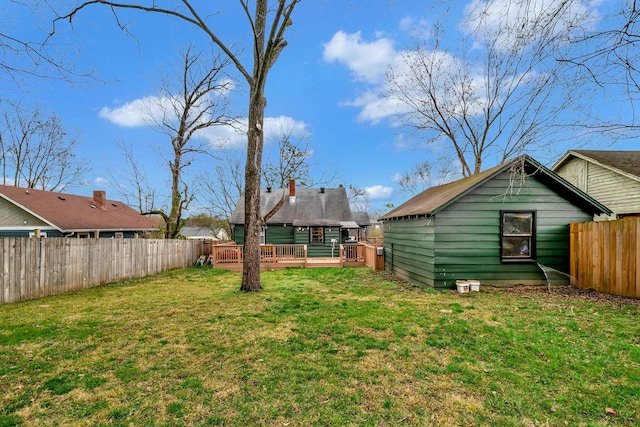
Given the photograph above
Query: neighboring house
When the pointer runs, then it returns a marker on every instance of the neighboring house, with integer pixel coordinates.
(611, 177)
(494, 227)
(318, 217)
(203, 233)
(36, 213)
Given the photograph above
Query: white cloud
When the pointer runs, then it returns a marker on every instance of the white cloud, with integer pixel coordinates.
(101, 182)
(518, 23)
(236, 135)
(151, 109)
(368, 61)
(379, 192)
(139, 112)
(374, 106)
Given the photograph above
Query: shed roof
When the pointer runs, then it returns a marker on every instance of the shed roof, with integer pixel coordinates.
(67, 212)
(312, 207)
(624, 162)
(434, 199)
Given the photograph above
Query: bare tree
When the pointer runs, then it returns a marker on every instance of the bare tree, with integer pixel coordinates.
(268, 22)
(189, 105)
(423, 175)
(600, 51)
(358, 199)
(22, 58)
(190, 100)
(223, 188)
(131, 181)
(293, 161)
(495, 100)
(37, 152)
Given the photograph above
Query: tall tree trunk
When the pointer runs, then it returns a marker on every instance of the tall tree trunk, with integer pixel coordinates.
(252, 216)
(176, 198)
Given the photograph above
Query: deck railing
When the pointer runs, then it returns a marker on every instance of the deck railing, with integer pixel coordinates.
(352, 254)
(281, 256)
(271, 256)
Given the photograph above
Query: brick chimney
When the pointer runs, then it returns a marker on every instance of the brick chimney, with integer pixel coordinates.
(100, 199)
(292, 190)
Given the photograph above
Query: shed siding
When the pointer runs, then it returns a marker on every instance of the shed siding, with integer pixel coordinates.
(467, 233)
(409, 249)
(464, 241)
(619, 193)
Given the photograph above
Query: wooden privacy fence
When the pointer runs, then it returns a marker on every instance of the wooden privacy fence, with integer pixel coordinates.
(605, 256)
(34, 268)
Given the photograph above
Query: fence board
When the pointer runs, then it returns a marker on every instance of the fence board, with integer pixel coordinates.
(605, 255)
(34, 268)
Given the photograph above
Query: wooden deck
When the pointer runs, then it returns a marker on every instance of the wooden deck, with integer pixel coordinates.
(276, 257)
(324, 262)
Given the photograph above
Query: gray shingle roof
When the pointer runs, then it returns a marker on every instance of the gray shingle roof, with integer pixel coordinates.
(361, 218)
(312, 207)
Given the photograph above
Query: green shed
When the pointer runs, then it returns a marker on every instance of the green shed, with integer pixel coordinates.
(499, 227)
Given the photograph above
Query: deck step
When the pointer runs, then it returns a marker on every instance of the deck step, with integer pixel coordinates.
(323, 262)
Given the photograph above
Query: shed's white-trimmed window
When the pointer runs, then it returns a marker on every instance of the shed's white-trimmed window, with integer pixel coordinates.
(517, 235)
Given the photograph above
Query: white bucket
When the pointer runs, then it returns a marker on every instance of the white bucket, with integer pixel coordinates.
(474, 285)
(462, 285)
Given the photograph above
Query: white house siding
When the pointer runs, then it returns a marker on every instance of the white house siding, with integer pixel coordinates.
(575, 171)
(619, 193)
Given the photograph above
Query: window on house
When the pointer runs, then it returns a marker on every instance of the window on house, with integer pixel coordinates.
(517, 236)
(317, 235)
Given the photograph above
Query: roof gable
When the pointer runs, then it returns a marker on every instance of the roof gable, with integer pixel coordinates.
(435, 199)
(623, 162)
(67, 212)
(312, 207)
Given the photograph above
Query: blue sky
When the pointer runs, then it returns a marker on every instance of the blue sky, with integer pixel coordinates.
(325, 83)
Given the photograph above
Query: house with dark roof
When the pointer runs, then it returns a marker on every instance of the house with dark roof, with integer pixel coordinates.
(611, 177)
(318, 217)
(26, 212)
(499, 227)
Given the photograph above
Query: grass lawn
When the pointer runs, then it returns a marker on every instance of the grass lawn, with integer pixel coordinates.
(317, 347)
